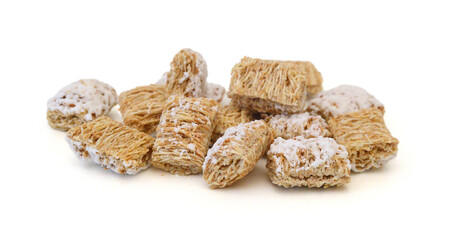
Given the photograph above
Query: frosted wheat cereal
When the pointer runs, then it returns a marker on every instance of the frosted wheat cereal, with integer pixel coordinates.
(188, 74)
(342, 100)
(299, 124)
(183, 134)
(313, 162)
(215, 92)
(268, 86)
(80, 102)
(112, 145)
(366, 138)
(229, 116)
(141, 107)
(235, 154)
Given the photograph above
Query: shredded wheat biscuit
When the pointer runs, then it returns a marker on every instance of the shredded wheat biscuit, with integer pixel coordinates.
(299, 124)
(229, 116)
(313, 162)
(366, 138)
(342, 100)
(141, 107)
(183, 134)
(110, 144)
(313, 77)
(188, 74)
(270, 86)
(235, 154)
(80, 102)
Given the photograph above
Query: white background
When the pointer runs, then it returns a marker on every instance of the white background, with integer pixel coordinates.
(401, 52)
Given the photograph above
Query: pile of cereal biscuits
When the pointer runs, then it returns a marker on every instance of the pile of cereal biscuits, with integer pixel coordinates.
(278, 109)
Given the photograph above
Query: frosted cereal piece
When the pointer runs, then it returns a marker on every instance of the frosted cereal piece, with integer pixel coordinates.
(80, 102)
(366, 138)
(215, 92)
(235, 154)
(183, 134)
(188, 74)
(141, 107)
(229, 116)
(342, 100)
(313, 162)
(299, 124)
(112, 145)
(270, 86)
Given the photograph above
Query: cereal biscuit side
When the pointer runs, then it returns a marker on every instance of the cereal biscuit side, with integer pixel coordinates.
(366, 138)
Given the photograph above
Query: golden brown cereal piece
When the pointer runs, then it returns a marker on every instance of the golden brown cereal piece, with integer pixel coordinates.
(299, 124)
(215, 91)
(188, 74)
(313, 162)
(366, 138)
(183, 134)
(313, 77)
(112, 145)
(80, 102)
(342, 100)
(270, 86)
(235, 154)
(229, 116)
(141, 107)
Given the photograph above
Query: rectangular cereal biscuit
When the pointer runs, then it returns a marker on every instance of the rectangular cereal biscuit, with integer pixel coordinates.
(141, 107)
(188, 74)
(229, 116)
(313, 162)
(112, 145)
(235, 154)
(366, 138)
(299, 124)
(342, 100)
(183, 134)
(80, 102)
(270, 86)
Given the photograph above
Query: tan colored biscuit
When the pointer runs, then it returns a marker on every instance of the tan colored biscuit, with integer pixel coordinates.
(299, 124)
(80, 102)
(141, 107)
(112, 145)
(366, 138)
(188, 74)
(268, 86)
(183, 134)
(313, 162)
(235, 154)
(229, 116)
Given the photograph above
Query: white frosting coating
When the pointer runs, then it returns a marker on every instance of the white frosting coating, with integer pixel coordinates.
(299, 124)
(232, 134)
(215, 91)
(163, 80)
(323, 149)
(88, 96)
(342, 100)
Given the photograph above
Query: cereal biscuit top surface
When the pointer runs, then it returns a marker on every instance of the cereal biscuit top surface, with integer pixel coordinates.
(301, 123)
(215, 91)
(305, 154)
(342, 100)
(88, 96)
(188, 69)
(283, 82)
(236, 134)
